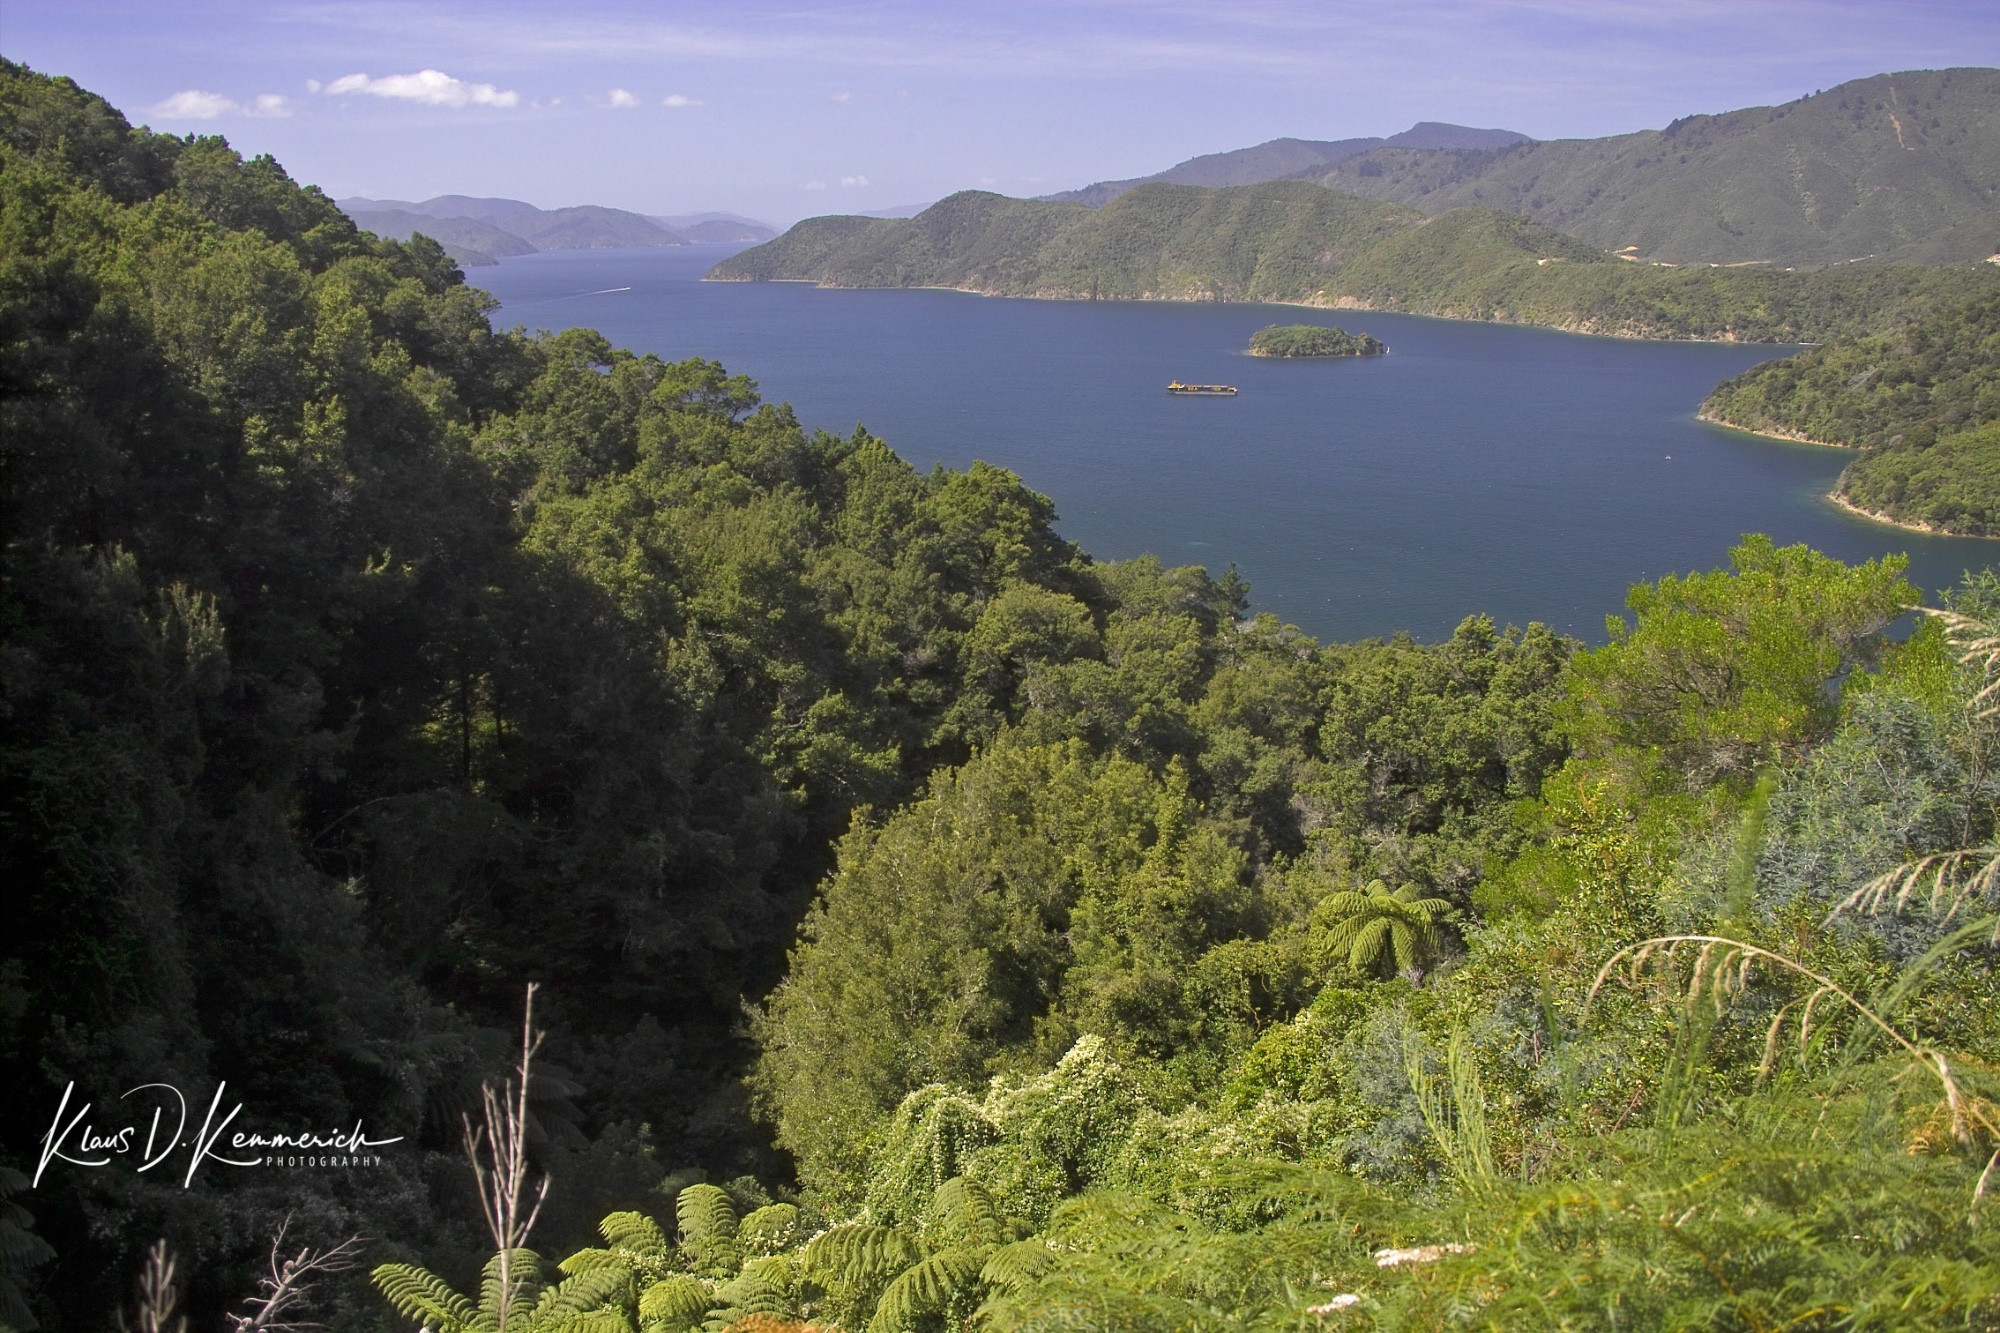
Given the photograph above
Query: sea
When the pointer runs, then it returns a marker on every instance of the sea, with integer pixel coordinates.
(1522, 473)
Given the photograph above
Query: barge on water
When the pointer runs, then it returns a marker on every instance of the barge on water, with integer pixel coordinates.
(1203, 390)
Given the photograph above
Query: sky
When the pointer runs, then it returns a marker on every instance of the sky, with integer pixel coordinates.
(781, 111)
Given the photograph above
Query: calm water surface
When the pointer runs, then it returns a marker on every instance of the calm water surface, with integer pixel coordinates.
(1525, 473)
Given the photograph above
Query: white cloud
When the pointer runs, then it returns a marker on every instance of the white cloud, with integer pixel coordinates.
(853, 180)
(814, 185)
(194, 104)
(621, 98)
(679, 99)
(269, 105)
(432, 87)
(842, 97)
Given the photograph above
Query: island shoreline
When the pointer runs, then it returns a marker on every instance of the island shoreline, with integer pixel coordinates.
(1339, 303)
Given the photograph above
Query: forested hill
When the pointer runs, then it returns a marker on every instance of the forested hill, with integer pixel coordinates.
(1923, 402)
(1292, 241)
(1100, 956)
(1279, 158)
(1899, 167)
(362, 662)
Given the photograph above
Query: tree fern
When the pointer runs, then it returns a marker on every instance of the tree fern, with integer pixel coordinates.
(674, 1305)
(524, 1275)
(421, 1295)
(860, 1252)
(928, 1287)
(704, 1213)
(1374, 926)
(636, 1234)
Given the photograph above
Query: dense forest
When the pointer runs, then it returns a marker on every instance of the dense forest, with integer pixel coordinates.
(934, 928)
(1290, 241)
(1289, 340)
(1922, 401)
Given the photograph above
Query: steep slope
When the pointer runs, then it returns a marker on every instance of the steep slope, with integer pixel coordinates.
(1280, 158)
(1899, 166)
(1292, 241)
(1923, 403)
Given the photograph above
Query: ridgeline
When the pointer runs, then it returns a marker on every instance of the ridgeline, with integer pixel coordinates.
(1293, 242)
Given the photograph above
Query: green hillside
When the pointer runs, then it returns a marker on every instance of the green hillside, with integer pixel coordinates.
(1922, 401)
(1897, 167)
(1276, 159)
(935, 929)
(1294, 242)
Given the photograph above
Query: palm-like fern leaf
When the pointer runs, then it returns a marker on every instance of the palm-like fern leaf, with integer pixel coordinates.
(1375, 925)
(1018, 1265)
(634, 1232)
(421, 1295)
(587, 1292)
(704, 1213)
(861, 1251)
(524, 1275)
(927, 1288)
(967, 1212)
(674, 1305)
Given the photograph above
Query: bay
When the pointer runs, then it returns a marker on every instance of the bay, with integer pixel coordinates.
(1521, 472)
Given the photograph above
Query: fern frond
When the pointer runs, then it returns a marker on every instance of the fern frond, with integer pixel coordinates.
(675, 1305)
(524, 1274)
(1018, 1265)
(926, 1289)
(967, 1211)
(584, 1261)
(421, 1295)
(635, 1232)
(860, 1251)
(584, 1292)
(704, 1213)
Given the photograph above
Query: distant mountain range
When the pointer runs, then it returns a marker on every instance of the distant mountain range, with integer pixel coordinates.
(1294, 241)
(476, 231)
(1282, 158)
(1898, 168)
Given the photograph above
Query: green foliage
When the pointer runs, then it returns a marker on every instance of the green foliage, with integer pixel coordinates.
(1725, 671)
(1953, 486)
(1922, 401)
(1296, 242)
(1892, 166)
(1375, 926)
(1289, 340)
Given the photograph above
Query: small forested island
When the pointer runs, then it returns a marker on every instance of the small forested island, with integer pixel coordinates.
(935, 928)
(1297, 340)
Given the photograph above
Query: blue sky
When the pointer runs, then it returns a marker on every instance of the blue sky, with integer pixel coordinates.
(786, 110)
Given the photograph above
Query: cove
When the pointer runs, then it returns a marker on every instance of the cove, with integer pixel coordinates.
(1522, 472)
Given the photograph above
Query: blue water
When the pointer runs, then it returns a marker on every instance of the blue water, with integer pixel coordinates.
(1525, 473)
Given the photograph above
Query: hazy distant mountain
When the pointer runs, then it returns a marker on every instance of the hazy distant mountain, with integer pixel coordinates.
(898, 211)
(717, 227)
(467, 240)
(1898, 166)
(479, 231)
(1282, 158)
